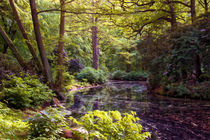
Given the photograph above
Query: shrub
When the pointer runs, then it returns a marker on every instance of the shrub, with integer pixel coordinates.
(179, 90)
(92, 75)
(131, 76)
(11, 124)
(24, 92)
(200, 91)
(47, 124)
(75, 66)
(119, 75)
(68, 79)
(111, 125)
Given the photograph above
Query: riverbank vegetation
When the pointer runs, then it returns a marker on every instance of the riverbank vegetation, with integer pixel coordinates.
(49, 47)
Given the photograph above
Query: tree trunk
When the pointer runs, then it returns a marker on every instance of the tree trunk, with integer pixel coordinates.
(13, 48)
(5, 48)
(20, 25)
(40, 43)
(193, 12)
(173, 17)
(9, 32)
(197, 66)
(206, 6)
(60, 46)
(95, 49)
(12, 32)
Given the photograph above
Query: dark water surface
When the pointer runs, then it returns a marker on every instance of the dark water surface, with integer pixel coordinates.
(166, 118)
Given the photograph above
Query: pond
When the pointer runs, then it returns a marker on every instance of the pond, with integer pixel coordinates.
(166, 118)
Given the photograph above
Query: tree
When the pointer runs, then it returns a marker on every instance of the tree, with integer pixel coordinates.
(61, 45)
(94, 31)
(192, 10)
(13, 49)
(10, 32)
(204, 4)
(39, 41)
(7, 22)
(20, 25)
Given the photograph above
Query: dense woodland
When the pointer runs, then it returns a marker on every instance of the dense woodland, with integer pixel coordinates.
(50, 47)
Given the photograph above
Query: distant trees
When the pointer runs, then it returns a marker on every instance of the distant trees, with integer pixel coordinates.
(90, 20)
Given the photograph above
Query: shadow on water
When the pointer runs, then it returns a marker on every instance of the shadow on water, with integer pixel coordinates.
(166, 118)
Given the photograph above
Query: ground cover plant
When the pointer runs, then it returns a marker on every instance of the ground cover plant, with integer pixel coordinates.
(111, 125)
(11, 123)
(24, 92)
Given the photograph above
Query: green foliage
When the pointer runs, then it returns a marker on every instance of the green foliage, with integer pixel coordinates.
(111, 125)
(119, 75)
(179, 90)
(24, 92)
(185, 47)
(47, 124)
(11, 124)
(170, 58)
(131, 76)
(195, 91)
(201, 91)
(92, 75)
(67, 78)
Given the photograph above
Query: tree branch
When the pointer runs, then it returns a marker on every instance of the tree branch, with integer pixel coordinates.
(96, 13)
(179, 3)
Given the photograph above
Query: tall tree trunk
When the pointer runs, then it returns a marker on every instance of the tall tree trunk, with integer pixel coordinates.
(61, 45)
(13, 48)
(40, 43)
(206, 5)
(95, 48)
(5, 48)
(9, 32)
(173, 16)
(197, 66)
(20, 25)
(193, 12)
(12, 32)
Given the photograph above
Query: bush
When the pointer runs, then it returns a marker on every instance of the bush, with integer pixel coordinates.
(131, 76)
(92, 75)
(119, 75)
(200, 90)
(179, 90)
(11, 124)
(170, 58)
(140, 76)
(24, 92)
(75, 66)
(111, 125)
(47, 124)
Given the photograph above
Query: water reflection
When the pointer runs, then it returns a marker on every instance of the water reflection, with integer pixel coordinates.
(166, 118)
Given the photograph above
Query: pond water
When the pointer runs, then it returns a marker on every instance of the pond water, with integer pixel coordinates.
(166, 118)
